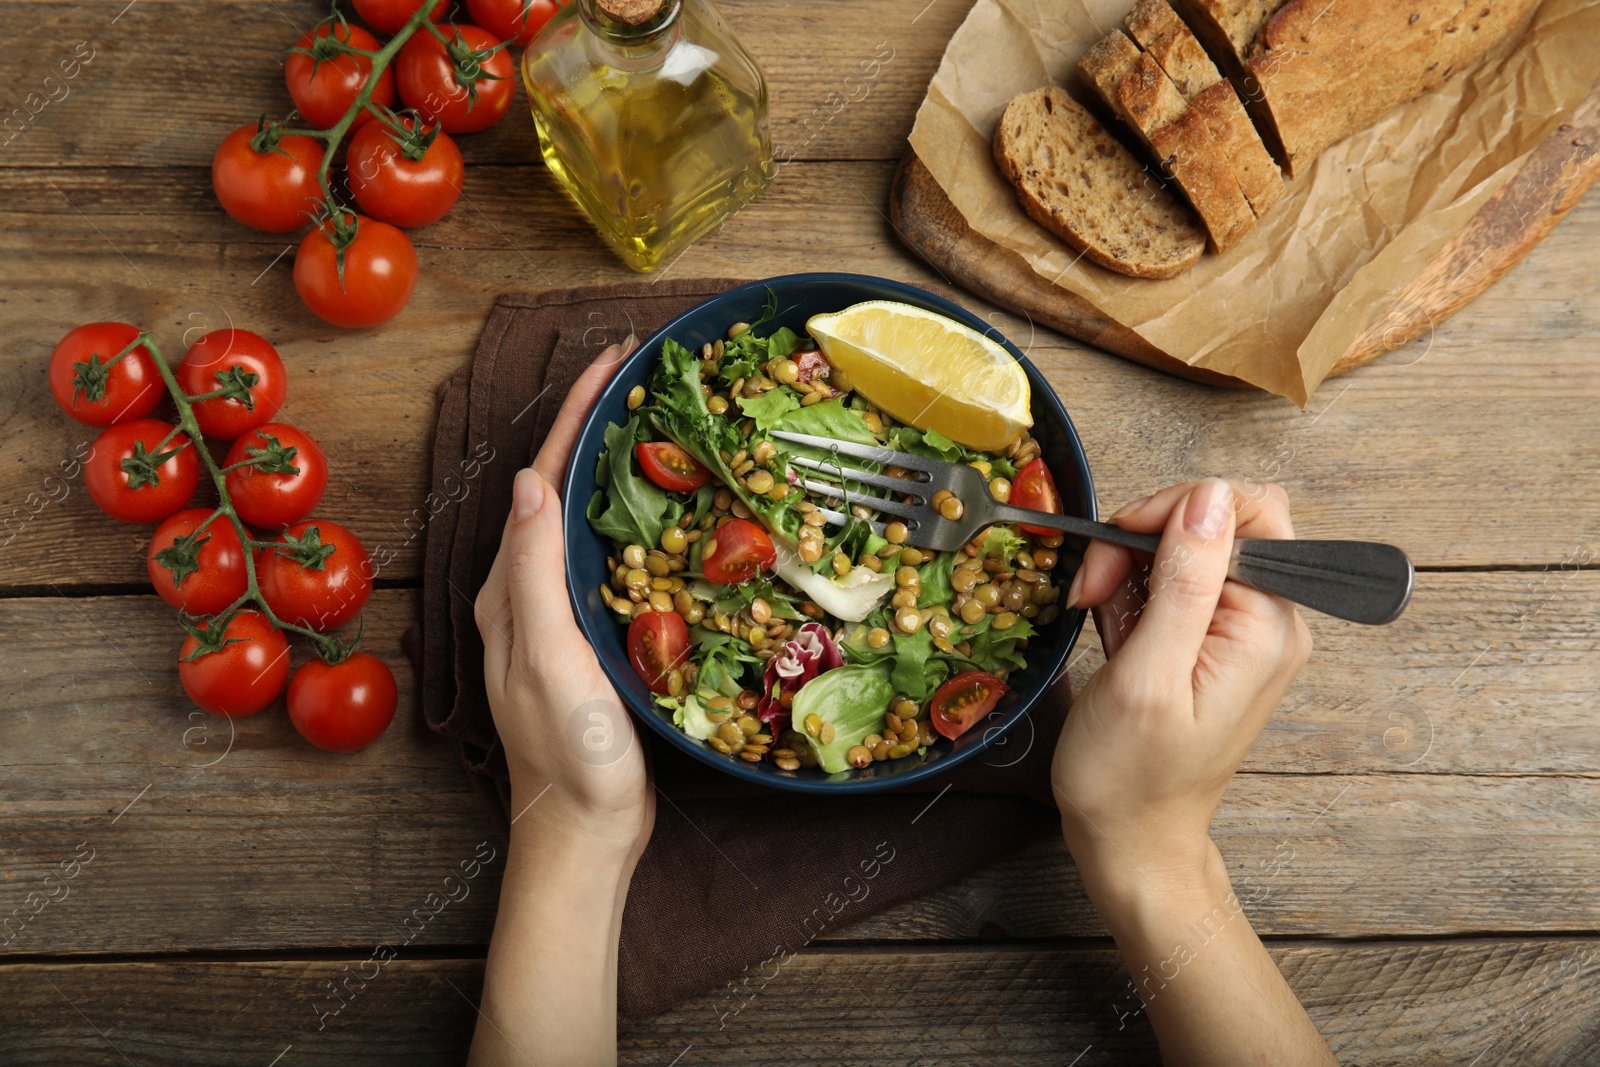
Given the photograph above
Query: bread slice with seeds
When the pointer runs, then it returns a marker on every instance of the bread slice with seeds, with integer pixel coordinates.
(1082, 184)
(1164, 37)
(1139, 92)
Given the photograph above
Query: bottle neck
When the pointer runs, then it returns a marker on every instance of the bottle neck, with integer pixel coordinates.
(634, 41)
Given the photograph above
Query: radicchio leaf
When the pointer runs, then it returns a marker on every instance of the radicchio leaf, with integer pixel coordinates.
(804, 656)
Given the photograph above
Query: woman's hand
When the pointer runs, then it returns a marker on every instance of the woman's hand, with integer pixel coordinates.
(574, 758)
(1195, 666)
(582, 805)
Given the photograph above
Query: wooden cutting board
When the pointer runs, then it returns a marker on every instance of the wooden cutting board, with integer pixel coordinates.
(1504, 230)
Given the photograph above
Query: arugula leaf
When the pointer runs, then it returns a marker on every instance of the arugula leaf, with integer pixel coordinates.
(769, 408)
(723, 659)
(628, 507)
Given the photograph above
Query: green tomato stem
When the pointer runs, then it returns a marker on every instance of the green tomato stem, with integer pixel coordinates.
(380, 62)
(252, 594)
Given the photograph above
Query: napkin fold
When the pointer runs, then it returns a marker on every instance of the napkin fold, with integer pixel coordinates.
(736, 878)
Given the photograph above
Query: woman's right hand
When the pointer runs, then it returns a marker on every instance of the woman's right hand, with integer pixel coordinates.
(1195, 666)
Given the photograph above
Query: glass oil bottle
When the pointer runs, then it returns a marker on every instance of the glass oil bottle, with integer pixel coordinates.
(653, 117)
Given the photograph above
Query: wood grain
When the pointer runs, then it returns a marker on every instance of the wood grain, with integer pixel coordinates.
(99, 723)
(1377, 1004)
(1547, 185)
(846, 79)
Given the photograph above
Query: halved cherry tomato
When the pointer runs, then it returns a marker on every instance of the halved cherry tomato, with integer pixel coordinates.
(963, 700)
(1035, 488)
(671, 467)
(812, 364)
(737, 551)
(658, 642)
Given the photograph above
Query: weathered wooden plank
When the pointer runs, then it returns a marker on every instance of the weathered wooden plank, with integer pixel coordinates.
(93, 722)
(1401, 1003)
(1495, 413)
(134, 102)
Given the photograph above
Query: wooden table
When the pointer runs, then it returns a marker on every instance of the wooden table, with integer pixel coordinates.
(1414, 830)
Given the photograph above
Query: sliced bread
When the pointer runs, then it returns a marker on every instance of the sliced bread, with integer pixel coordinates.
(1165, 38)
(1139, 92)
(1158, 30)
(1228, 28)
(1330, 68)
(1080, 183)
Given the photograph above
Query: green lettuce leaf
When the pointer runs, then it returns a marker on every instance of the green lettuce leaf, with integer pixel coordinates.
(628, 507)
(770, 407)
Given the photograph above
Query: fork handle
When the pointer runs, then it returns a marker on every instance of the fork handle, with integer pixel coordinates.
(1360, 581)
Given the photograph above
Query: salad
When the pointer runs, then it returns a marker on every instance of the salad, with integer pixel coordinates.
(768, 633)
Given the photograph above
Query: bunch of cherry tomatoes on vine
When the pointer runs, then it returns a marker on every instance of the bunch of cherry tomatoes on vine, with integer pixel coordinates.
(237, 591)
(402, 167)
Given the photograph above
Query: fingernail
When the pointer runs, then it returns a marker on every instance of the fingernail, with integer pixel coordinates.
(527, 495)
(1129, 508)
(630, 342)
(1075, 589)
(1210, 503)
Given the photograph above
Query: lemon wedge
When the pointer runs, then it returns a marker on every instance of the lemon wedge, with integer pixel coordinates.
(928, 371)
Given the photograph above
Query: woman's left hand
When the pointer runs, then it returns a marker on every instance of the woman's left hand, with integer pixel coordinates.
(574, 758)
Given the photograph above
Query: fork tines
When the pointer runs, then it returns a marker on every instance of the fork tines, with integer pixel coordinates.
(872, 454)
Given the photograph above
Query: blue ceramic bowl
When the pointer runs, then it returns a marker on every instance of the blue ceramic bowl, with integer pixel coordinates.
(802, 296)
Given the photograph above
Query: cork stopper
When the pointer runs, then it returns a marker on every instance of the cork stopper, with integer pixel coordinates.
(630, 12)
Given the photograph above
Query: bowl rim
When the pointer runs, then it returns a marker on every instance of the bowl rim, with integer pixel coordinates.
(575, 523)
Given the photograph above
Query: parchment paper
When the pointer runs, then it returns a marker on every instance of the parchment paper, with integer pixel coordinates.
(1279, 308)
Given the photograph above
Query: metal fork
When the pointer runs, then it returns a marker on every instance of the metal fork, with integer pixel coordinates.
(1362, 581)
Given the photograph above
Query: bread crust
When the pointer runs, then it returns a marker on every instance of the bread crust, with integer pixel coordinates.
(1080, 183)
(1331, 68)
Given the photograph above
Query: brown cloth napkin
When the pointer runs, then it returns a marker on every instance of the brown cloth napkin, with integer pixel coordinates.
(736, 877)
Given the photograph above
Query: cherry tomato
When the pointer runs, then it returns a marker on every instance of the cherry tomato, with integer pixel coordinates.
(243, 676)
(267, 181)
(408, 181)
(380, 271)
(1035, 488)
(343, 706)
(325, 86)
(96, 394)
(963, 700)
(671, 467)
(323, 583)
(737, 551)
(812, 364)
(387, 16)
(513, 21)
(467, 86)
(658, 642)
(291, 484)
(231, 358)
(203, 576)
(133, 477)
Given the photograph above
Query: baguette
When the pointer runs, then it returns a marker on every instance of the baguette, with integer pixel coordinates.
(1331, 68)
(1080, 183)
(1135, 87)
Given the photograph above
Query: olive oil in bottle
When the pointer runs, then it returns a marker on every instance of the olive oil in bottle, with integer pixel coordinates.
(653, 117)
